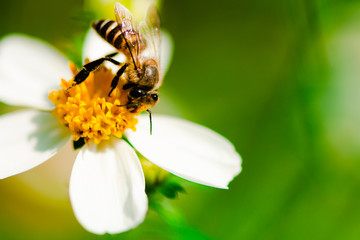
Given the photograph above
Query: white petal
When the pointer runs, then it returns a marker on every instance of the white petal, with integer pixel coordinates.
(186, 149)
(28, 138)
(51, 179)
(107, 189)
(29, 70)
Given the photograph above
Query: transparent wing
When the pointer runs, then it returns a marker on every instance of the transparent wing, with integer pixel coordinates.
(150, 34)
(129, 29)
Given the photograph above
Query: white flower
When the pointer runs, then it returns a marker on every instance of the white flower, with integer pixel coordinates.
(107, 185)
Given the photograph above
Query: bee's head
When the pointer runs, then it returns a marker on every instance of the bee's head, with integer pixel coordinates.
(140, 96)
(142, 91)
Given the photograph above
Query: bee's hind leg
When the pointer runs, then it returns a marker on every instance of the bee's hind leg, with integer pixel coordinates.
(91, 66)
(115, 80)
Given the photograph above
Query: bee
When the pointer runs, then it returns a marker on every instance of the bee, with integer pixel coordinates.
(140, 43)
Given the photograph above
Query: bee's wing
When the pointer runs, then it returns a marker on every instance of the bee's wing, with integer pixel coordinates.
(150, 34)
(129, 29)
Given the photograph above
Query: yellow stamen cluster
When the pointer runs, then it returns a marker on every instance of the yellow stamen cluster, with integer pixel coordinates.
(88, 111)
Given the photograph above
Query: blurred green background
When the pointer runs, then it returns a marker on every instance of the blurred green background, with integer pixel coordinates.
(280, 79)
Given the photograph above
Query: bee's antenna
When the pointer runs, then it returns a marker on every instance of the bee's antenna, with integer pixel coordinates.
(148, 110)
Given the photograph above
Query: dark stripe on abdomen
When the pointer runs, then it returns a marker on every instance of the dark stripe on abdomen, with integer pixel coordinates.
(110, 31)
(119, 42)
(96, 25)
(103, 29)
(110, 36)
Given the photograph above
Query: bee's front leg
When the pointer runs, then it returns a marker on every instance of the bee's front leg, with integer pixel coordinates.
(91, 66)
(115, 80)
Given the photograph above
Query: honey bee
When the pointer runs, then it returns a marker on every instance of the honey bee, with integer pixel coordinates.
(140, 43)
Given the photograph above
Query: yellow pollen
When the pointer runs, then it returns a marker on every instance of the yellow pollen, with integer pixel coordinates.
(87, 110)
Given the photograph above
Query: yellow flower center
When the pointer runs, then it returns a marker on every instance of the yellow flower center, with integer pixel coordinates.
(88, 111)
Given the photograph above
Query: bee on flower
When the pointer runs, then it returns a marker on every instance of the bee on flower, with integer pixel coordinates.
(98, 108)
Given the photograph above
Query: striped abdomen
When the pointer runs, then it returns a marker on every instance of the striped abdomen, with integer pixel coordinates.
(111, 32)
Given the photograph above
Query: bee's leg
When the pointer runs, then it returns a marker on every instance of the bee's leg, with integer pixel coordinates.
(129, 105)
(111, 55)
(91, 66)
(115, 80)
(128, 85)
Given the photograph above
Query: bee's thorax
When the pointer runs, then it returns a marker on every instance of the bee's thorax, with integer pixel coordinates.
(150, 76)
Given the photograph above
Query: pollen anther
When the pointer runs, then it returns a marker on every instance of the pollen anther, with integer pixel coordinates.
(87, 110)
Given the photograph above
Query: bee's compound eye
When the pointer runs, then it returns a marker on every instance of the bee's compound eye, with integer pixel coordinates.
(136, 93)
(155, 97)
